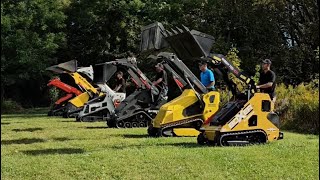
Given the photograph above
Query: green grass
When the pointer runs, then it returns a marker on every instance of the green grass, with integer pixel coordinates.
(34, 146)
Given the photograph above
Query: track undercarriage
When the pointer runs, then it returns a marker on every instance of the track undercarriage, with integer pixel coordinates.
(168, 130)
(140, 118)
(240, 138)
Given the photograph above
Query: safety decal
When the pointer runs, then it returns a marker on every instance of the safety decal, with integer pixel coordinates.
(240, 116)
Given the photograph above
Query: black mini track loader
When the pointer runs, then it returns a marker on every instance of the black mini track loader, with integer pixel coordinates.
(142, 105)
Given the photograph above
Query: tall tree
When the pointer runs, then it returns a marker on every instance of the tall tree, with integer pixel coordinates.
(98, 30)
(31, 32)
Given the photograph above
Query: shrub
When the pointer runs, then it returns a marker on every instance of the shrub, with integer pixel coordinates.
(9, 106)
(233, 57)
(54, 94)
(299, 107)
(225, 96)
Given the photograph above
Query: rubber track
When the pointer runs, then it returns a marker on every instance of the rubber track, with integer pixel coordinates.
(128, 119)
(242, 133)
(166, 127)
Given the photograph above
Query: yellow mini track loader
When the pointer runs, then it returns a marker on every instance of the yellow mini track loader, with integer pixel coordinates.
(184, 115)
(249, 119)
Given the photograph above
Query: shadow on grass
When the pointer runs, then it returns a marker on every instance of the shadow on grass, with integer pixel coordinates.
(42, 110)
(182, 145)
(73, 120)
(22, 141)
(142, 136)
(26, 116)
(5, 123)
(28, 129)
(62, 139)
(132, 136)
(136, 136)
(97, 127)
(54, 151)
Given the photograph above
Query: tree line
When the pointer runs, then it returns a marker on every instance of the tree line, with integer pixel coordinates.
(36, 34)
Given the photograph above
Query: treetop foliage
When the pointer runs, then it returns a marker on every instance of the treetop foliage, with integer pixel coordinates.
(39, 33)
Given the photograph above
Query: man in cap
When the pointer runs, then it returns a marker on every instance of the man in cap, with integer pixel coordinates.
(161, 79)
(131, 57)
(120, 83)
(267, 80)
(206, 76)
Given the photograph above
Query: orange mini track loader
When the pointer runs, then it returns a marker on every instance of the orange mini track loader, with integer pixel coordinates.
(75, 82)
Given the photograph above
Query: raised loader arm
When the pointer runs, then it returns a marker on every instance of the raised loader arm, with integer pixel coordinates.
(137, 76)
(70, 67)
(177, 79)
(184, 72)
(195, 46)
(63, 86)
(193, 82)
(224, 66)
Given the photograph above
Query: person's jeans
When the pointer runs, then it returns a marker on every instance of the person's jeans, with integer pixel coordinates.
(164, 93)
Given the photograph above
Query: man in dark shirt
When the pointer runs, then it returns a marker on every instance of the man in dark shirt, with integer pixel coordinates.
(161, 79)
(120, 83)
(267, 80)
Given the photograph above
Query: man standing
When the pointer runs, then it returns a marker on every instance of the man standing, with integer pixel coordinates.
(206, 76)
(121, 83)
(267, 80)
(161, 79)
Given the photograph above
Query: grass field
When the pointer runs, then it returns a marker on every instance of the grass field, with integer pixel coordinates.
(34, 146)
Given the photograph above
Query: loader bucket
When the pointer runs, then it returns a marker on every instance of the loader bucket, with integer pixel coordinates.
(152, 37)
(66, 67)
(189, 44)
(185, 43)
(103, 72)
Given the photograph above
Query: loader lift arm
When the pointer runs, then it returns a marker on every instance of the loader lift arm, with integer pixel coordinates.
(223, 66)
(63, 86)
(142, 81)
(71, 68)
(71, 91)
(195, 45)
(105, 104)
(183, 71)
(144, 103)
(191, 80)
(136, 74)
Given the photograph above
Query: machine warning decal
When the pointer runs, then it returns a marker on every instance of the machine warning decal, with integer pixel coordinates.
(153, 111)
(143, 76)
(272, 129)
(240, 116)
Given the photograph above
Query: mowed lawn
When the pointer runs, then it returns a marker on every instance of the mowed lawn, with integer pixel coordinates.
(34, 146)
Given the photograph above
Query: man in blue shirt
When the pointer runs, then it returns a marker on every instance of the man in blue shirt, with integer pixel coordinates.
(206, 76)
